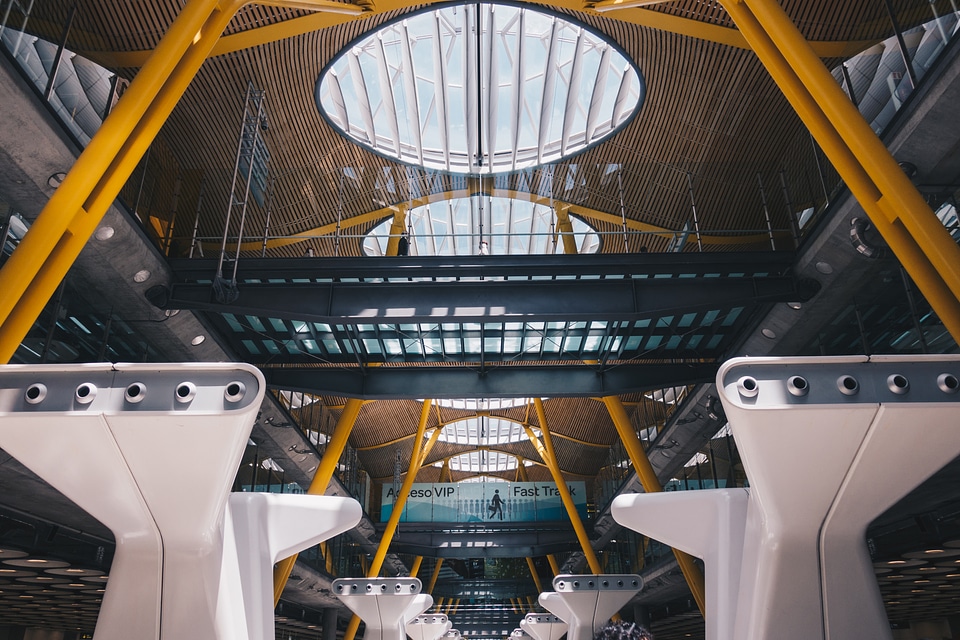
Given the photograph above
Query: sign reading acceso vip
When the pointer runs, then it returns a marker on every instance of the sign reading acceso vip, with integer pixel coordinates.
(485, 502)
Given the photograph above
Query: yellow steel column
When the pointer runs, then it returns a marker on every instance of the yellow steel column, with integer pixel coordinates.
(434, 575)
(651, 484)
(554, 567)
(69, 218)
(547, 453)
(534, 575)
(398, 227)
(894, 205)
(54, 230)
(318, 486)
(415, 569)
(565, 229)
(416, 458)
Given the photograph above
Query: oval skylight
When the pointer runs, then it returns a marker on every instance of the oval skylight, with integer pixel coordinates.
(509, 226)
(544, 88)
(483, 431)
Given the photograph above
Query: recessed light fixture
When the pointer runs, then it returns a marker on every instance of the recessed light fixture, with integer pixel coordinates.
(141, 276)
(198, 340)
(769, 333)
(796, 306)
(104, 233)
(825, 268)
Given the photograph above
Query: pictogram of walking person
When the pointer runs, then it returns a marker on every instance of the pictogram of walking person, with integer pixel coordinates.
(496, 505)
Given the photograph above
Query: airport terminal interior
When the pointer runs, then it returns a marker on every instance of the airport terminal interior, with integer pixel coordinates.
(489, 258)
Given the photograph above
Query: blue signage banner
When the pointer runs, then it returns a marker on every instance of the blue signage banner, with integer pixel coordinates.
(485, 502)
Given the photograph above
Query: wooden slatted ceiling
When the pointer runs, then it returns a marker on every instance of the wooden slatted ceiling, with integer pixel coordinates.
(711, 111)
(658, 190)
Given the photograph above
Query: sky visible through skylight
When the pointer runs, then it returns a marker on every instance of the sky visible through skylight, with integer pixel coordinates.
(543, 89)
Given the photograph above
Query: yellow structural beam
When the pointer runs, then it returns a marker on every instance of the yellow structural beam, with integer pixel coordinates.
(398, 227)
(486, 188)
(554, 567)
(435, 575)
(348, 13)
(565, 229)
(417, 457)
(534, 574)
(651, 484)
(546, 451)
(895, 207)
(67, 221)
(415, 569)
(318, 486)
(55, 239)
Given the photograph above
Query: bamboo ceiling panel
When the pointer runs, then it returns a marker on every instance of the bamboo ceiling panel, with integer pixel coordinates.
(713, 127)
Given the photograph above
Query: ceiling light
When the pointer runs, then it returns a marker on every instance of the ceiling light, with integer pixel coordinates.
(198, 340)
(796, 306)
(141, 276)
(825, 268)
(104, 233)
(768, 333)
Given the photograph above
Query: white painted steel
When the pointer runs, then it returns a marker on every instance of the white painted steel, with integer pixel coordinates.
(588, 601)
(540, 626)
(706, 524)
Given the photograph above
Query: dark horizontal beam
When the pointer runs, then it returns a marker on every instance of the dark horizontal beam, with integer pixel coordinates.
(584, 265)
(479, 301)
(488, 545)
(410, 383)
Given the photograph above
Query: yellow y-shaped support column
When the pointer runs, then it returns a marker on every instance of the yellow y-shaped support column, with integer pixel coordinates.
(546, 452)
(435, 575)
(534, 575)
(318, 486)
(397, 227)
(651, 484)
(896, 208)
(53, 242)
(55, 239)
(416, 460)
(565, 229)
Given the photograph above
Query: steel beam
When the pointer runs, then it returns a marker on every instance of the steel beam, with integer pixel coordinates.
(651, 484)
(318, 486)
(545, 449)
(419, 268)
(418, 455)
(411, 383)
(485, 301)
(895, 207)
(500, 544)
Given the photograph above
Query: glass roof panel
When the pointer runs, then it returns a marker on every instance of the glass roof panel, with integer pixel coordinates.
(421, 88)
(483, 461)
(483, 431)
(457, 226)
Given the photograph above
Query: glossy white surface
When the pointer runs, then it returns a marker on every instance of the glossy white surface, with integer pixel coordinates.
(586, 602)
(428, 627)
(385, 605)
(541, 626)
(269, 527)
(828, 445)
(151, 451)
(706, 524)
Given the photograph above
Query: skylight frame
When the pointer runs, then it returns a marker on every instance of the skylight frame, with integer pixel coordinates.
(538, 119)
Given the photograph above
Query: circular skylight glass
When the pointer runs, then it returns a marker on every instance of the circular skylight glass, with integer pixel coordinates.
(482, 404)
(483, 462)
(542, 88)
(456, 227)
(483, 431)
